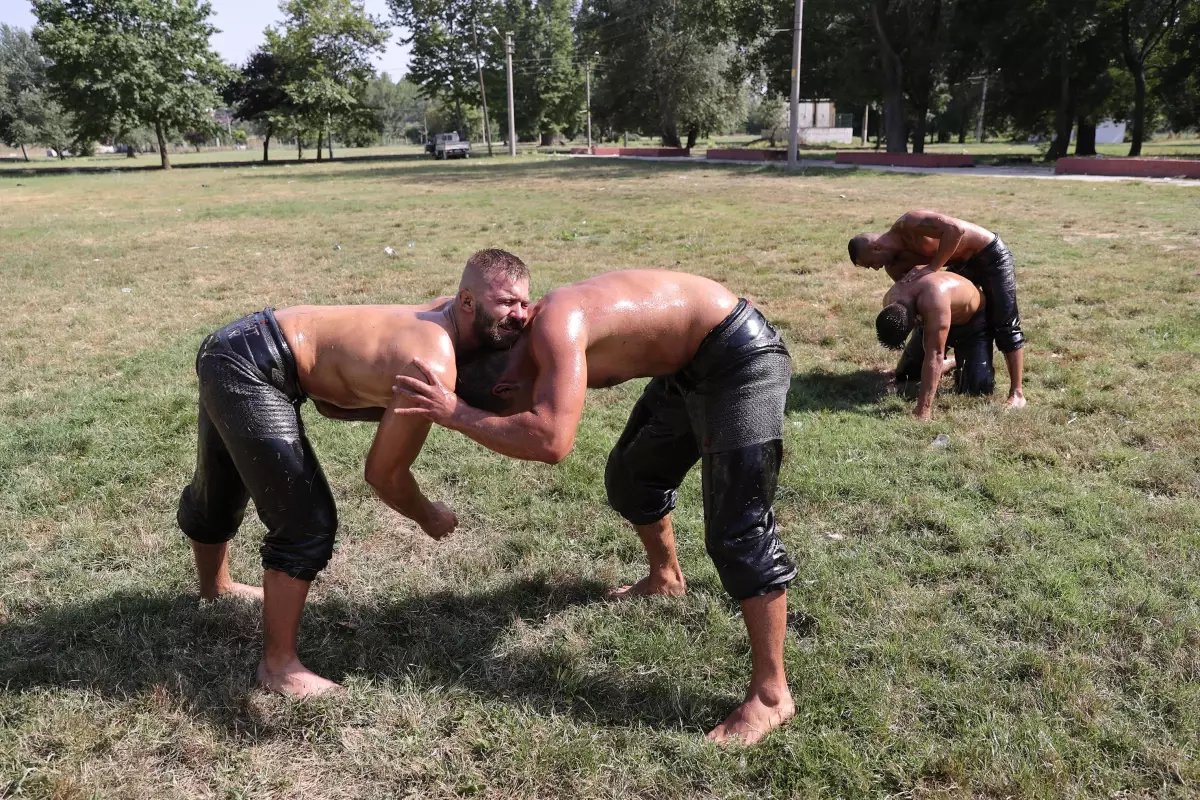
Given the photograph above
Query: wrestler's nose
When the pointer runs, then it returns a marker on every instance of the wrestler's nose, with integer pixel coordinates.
(521, 314)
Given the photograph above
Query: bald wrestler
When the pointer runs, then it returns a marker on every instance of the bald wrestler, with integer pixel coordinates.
(720, 375)
(255, 373)
(924, 242)
(948, 312)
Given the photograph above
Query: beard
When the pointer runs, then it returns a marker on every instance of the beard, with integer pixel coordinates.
(494, 333)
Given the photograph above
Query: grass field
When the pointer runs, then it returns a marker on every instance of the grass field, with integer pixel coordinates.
(1017, 614)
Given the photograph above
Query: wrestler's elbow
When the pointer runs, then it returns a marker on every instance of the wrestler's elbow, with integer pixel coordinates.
(555, 448)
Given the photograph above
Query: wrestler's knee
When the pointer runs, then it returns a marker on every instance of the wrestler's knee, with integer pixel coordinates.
(632, 499)
(302, 548)
(751, 561)
(976, 381)
(201, 527)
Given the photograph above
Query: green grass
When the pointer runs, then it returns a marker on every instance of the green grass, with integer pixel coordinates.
(1015, 615)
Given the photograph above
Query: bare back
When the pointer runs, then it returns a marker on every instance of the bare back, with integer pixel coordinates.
(919, 234)
(346, 356)
(635, 323)
(939, 291)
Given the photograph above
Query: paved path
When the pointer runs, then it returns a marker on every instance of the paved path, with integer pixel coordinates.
(1032, 173)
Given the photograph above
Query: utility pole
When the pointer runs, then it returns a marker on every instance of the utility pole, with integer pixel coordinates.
(982, 107)
(588, 73)
(794, 123)
(512, 120)
(487, 131)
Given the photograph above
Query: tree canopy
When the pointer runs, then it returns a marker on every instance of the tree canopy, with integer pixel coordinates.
(120, 64)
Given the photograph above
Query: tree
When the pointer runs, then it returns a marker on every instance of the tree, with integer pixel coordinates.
(396, 106)
(118, 64)
(666, 66)
(27, 114)
(256, 94)
(1144, 25)
(1178, 67)
(768, 117)
(325, 48)
(442, 60)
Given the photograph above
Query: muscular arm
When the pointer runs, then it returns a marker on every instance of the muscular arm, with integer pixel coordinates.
(398, 442)
(547, 431)
(934, 307)
(948, 231)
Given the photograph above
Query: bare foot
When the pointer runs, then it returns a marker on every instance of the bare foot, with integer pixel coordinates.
(234, 590)
(295, 680)
(753, 720)
(1016, 400)
(651, 585)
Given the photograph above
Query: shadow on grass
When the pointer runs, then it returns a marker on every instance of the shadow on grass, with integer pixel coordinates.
(820, 390)
(204, 657)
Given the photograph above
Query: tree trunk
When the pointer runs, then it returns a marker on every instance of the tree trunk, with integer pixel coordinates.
(1139, 109)
(162, 145)
(920, 129)
(299, 147)
(693, 133)
(266, 144)
(330, 141)
(547, 138)
(962, 126)
(59, 149)
(1085, 137)
(320, 150)
(23, 151)
(893, 88)
(1064, 119)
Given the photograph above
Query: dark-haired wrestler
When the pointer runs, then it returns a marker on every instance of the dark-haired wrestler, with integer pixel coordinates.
(923, 242)
(255, 373)
(720, 380)
(949, 313)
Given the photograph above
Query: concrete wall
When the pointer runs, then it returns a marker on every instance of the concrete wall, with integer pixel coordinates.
(821, 135)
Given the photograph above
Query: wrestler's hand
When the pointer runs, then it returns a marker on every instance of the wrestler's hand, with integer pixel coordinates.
(429, 398)
(441, 522)
(913, 275)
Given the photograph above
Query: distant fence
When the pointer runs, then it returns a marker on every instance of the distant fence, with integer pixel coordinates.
(904, 159)
(659, 152)
(1129, 167)
(746, 154)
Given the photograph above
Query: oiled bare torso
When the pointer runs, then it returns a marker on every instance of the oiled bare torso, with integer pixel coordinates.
(347, 356)
(638, 323)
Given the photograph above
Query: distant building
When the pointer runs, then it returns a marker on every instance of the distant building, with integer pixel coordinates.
(818, 119)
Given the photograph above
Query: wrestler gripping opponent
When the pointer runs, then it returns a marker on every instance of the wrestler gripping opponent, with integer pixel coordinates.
(949, 313)
(720, 380)
(254, 375)
(923, 242)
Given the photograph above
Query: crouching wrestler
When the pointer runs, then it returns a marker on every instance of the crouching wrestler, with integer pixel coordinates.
(720, 376)
(948, 313)
(254, 375)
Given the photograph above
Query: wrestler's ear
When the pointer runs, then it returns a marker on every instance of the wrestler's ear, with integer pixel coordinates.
(466, 300)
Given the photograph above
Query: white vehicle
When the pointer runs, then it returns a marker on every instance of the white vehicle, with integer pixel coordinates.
(448, 145)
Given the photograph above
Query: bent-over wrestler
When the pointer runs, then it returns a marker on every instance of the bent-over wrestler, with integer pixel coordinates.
(924, 242)
(949, 313)
(255, 373)
(720, 380)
